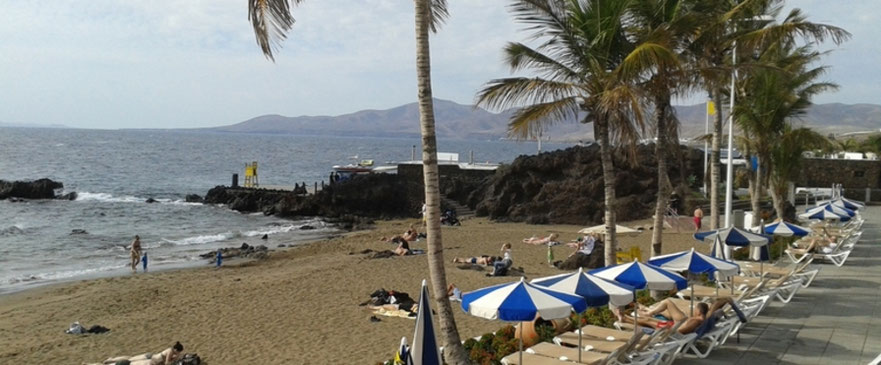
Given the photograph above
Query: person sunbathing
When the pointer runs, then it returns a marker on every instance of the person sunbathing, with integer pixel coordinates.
(411, 235)
(454, 293)
(500, 267)
(403, 248)
(166, 357)
(583, 246)
(814, 244)
(541, 241)
(668, 310)
(478, 260)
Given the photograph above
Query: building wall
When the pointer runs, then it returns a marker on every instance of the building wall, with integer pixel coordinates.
(853, 174)
(413, 172)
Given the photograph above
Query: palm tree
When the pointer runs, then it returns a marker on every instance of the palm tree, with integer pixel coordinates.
(587, 67)
(787, 155)
(272, 20)
(716, 39)
(667, 23)
(847, 145)
(779, 87)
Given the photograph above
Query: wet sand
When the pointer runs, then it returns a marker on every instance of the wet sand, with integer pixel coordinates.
(299, 306)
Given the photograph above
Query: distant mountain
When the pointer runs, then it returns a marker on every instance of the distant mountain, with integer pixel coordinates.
(457, 121)
(29, 125)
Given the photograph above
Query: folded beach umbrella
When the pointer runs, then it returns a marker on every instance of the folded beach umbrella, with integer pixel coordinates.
(786, 229)
(642, 276)
(718, 250)
(596, 291)
(402, 357)
(521, 301)
(733, 236)
(696, 263)
(619, 230)
(424, 350)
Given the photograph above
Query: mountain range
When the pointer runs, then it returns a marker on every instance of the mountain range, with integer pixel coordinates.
(457, 121)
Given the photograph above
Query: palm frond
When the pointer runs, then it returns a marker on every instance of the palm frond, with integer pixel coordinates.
(271, 20)
(439, 13)
(506, 93)
(529, 121)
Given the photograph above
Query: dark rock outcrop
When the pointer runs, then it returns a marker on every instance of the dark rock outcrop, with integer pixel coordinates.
(150, 201)
(37, 189)
(193, 198)
(566, 186)
(244, 251)
(380, 196)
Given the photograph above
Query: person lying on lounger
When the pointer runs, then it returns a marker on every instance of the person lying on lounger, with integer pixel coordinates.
(541, 241)
(478, 260)
(814, 244)
(668, 310)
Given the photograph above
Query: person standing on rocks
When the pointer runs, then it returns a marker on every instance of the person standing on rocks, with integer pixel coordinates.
(135, 251)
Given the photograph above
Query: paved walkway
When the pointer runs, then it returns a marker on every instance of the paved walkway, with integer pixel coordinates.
(837, 320)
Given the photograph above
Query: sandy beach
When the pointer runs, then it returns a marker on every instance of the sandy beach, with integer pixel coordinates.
(299, 306)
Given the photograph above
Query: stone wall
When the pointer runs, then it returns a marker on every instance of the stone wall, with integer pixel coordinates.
(853, 174)
(447, 174)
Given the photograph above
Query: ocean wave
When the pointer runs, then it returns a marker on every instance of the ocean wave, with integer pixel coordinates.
(203, 239)
(15, 229)
(110, 198)
(63, 274)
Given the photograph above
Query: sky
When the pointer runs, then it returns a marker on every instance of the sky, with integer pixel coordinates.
(179, 64)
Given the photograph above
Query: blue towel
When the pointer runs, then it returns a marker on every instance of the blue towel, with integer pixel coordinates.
(709, 324)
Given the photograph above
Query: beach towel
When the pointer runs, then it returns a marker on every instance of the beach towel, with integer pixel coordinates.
(394, 313)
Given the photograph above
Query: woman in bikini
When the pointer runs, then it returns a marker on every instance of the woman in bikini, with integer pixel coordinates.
(541, 241)
(135, 253)
(478, 260)
(166, 357)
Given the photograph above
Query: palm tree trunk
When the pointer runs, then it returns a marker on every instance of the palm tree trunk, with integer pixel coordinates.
(601, 134)
(714, 162)
(454, 352)
(663, 193)
(755, 195)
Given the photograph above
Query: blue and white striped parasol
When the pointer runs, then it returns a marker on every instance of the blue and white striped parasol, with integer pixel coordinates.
(695, 263)
(521, 301)
(595, 290)
(733, 236)
(824, 214)
(833, 208)
(843, 202)
(642, 276)
(786, 229)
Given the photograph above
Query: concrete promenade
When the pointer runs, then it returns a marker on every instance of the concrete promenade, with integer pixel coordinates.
(837, 320)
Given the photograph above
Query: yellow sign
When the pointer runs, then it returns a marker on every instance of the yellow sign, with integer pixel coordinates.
(711, 108)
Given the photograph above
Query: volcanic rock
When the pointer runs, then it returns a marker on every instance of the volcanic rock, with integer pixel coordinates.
(150, 200)
(193, 198)
(37, 189)
(566, 186)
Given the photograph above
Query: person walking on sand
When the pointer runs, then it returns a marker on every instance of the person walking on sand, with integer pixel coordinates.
(698, 216)
(135, 251)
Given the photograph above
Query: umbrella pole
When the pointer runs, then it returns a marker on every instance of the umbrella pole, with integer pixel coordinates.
(521, 344)
(579, 338)
(636, 317)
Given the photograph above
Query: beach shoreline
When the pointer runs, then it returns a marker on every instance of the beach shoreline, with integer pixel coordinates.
(299, 305)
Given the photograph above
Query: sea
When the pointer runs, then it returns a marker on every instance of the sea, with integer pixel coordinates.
(114, 172)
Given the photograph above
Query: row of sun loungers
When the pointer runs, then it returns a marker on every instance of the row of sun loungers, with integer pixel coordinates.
(752, 291)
